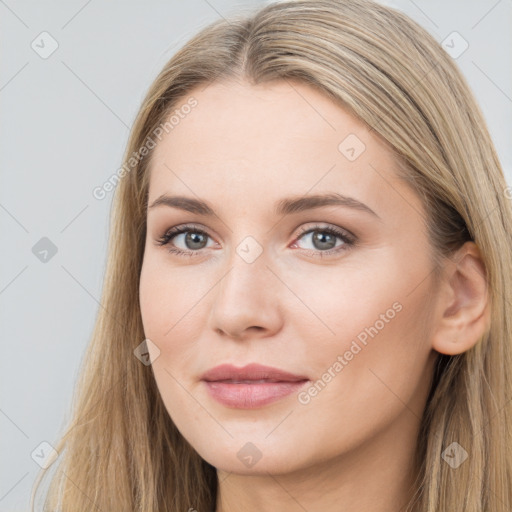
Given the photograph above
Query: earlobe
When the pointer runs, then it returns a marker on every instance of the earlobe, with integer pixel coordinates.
(463, 312)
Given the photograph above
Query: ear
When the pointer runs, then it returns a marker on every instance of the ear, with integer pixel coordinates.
(463, 312)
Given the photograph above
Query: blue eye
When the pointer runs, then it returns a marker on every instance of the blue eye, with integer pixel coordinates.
(195, 240)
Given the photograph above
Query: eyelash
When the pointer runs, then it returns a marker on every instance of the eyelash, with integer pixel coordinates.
(348, 240)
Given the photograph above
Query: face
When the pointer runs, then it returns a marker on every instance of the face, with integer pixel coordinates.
(334, 293)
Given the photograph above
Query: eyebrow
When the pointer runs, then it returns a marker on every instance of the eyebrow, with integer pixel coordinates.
(283, 207)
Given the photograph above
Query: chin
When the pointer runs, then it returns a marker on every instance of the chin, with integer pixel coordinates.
(253, 458)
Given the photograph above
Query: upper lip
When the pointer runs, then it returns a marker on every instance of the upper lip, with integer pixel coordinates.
(251, 371)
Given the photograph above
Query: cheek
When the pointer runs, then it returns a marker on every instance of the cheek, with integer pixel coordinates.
(363, 387)
(336, 304)
(366, 336)
(167, 298)
(166, 305)
(172, 309)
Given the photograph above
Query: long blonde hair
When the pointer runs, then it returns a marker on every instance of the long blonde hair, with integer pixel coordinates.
(121, 451)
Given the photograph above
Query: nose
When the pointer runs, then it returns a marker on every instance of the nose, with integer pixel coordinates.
(246, 301)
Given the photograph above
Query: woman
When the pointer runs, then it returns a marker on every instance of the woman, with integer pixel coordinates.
(306, 296)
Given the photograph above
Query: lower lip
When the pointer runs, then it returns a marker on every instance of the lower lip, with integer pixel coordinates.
(251, 396)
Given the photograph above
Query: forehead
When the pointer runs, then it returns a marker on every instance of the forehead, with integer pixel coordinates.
(266, 141)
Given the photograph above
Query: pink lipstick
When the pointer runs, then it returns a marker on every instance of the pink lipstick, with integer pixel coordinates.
(251, 386)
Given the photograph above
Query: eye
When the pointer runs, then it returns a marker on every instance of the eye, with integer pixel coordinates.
(194, 239)
(324, 240)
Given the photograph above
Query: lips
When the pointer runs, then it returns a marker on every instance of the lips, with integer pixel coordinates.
(251, 373)
(252, 386)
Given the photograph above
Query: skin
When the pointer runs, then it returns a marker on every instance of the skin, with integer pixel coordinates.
(241, 149)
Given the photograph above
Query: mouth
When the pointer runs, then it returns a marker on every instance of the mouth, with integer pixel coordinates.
(249, 381)
(252, 386)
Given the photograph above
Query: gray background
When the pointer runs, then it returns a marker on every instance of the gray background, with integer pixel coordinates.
(65, 123)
